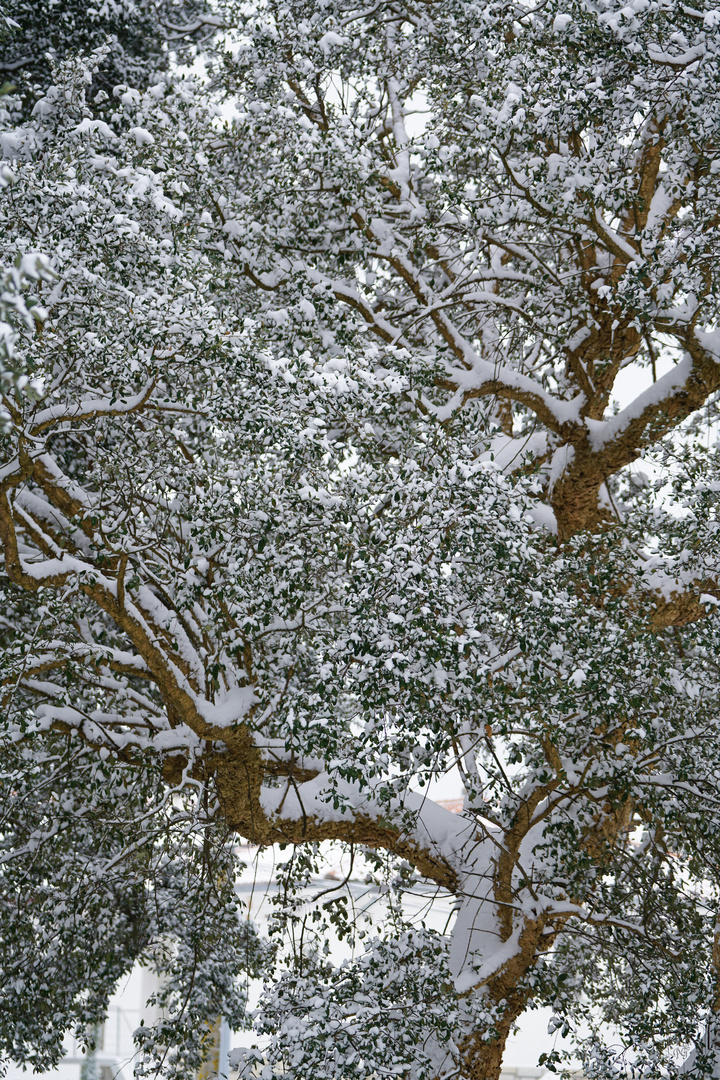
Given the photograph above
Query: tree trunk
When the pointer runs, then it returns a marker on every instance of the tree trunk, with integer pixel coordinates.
(482, 1058)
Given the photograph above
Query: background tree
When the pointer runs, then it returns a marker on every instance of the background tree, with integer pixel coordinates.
(322, 451)
(147, 36)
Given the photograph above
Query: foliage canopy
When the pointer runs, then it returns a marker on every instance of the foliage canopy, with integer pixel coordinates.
(320, 431)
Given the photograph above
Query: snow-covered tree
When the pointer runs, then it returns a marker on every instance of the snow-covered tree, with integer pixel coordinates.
(37, 33)
(317, 483)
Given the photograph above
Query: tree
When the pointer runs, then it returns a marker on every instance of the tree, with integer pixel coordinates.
(319, 450)
(38, 33)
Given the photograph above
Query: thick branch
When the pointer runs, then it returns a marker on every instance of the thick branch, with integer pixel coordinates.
(299, 809)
